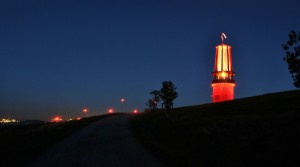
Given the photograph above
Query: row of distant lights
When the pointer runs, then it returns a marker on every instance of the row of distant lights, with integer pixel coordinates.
(110, 111)
(85, 110)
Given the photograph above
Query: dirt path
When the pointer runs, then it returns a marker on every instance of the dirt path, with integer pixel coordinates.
(106, 143)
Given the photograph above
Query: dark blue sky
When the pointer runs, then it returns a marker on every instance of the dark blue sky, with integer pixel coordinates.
(57, 57)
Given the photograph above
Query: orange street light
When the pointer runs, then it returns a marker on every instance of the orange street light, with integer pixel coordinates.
(85, 110)
(135, 111)
(56, 119)
(110, 111)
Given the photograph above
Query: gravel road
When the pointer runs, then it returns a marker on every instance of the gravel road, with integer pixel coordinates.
(105, 143)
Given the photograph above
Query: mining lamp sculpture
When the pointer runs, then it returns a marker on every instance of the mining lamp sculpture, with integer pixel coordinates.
(223, 83)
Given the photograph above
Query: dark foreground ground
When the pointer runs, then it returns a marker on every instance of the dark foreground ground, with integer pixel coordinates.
(105, 143)
(21, 144)
(255, 131)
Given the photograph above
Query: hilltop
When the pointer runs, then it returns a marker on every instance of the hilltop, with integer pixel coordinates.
(254, 131)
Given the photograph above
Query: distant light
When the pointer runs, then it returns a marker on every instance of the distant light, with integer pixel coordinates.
(110, 111)
(57, 119)
(85, 110)
(3, 120)
(135, 111)
(78, 118)
(122, 100)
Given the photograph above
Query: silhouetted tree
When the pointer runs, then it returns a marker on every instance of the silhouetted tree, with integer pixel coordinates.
(156, 98)
(292, 56)
(149, 104)
(168, 94)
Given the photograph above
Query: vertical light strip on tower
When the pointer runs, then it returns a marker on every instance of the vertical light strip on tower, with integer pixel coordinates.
(223, 82)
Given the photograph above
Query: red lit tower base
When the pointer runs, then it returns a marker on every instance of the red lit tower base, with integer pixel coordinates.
(223, 83)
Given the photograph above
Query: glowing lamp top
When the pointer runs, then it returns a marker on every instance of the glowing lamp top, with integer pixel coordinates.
(223, 60)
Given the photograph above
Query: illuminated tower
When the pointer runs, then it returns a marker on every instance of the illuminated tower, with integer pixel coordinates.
(223, 83)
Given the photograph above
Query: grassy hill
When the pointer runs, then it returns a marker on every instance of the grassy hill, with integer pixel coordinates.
(256, 131)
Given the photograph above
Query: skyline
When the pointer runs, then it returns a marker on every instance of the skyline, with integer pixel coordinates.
(59, 57)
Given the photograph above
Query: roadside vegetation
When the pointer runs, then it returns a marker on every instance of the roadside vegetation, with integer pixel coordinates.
(20, 144)
(256, 131)
(167, 94)
(292, 56)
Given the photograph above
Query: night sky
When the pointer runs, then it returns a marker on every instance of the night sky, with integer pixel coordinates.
(59, 56)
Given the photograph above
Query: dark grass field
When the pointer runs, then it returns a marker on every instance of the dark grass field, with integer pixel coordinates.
(255, 131)
(20, 144)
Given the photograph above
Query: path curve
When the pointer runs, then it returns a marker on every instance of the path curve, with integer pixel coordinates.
(105, 143)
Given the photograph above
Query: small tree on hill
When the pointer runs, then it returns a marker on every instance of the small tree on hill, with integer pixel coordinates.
(149, 104)
(168, 94)
(292, 57)
(156, 98)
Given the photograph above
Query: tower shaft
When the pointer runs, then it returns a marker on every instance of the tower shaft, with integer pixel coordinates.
(223, 83)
